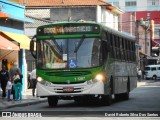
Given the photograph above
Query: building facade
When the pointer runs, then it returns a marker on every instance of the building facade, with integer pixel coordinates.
(71, 10)
(50, 11)
(140, 9)
(12, 39)
(141, 17)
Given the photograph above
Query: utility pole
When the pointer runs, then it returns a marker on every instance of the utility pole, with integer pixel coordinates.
(137, 42)
(147, 25)
(148, 18)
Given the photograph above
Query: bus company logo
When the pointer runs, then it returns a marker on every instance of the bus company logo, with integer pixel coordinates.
(6, 114)
(68, 81)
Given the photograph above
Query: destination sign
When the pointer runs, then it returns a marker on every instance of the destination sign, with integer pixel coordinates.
(69, 29)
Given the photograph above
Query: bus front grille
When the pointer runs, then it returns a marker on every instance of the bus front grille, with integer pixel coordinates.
(69, 83)
(68, 73)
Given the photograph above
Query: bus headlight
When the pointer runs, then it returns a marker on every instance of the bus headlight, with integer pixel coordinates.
(39, 79)
(99, 77)
(44, 82)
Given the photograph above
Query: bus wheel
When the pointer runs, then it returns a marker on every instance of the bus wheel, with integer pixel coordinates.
(122, 96)
(107, 99)
(125, 95)
(52, 101)
(154, 77)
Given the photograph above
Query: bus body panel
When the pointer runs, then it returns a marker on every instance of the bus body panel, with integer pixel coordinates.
(115, 62)
(121, 76)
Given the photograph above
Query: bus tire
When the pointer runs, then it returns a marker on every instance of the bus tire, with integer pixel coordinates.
(111, 85)
(52, 101)
(125, 95)
(154, 77)
(107, 99)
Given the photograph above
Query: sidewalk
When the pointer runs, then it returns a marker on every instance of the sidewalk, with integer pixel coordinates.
(141, 83)
(27, 99)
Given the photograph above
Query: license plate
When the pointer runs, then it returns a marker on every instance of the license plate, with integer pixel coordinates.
(68, 89)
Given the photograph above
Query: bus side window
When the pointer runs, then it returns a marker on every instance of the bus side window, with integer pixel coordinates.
(117, 47)
(114, 46)
(122, 49)
(133, 53)
(104, 50)
(126, 50)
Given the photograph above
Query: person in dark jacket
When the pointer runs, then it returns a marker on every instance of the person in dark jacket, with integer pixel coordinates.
(4, 77)
(33, 81)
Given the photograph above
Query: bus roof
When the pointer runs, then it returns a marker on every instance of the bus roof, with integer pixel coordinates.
(108, 29)
(70, 22)
(122, 34)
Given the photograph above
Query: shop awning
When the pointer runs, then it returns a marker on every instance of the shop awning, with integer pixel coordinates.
(3, 15)
(24, 19)
(20, 38)
(155, 44)
(7, 45)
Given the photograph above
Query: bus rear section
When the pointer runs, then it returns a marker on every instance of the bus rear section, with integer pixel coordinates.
(152, 72)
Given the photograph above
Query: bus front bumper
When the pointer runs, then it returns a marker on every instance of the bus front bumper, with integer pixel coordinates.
(70, 89)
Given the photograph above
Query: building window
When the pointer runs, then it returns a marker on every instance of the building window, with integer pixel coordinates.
(131, 3)
(153, 2)
(116, 4)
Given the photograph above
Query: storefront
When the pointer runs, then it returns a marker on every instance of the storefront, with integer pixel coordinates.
(12, 47)
(13, 42)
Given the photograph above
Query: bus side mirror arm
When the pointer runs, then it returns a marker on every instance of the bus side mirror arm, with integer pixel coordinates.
(32, 42)
(108, 47)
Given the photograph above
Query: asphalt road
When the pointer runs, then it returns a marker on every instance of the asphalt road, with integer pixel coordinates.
(144, 99)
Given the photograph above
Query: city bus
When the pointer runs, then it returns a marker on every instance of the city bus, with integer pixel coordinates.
(83, 61)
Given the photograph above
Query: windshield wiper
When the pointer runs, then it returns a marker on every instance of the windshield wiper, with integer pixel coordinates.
(59, 48)
(79, 44)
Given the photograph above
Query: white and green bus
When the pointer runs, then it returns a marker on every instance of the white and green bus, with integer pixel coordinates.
(83, 61)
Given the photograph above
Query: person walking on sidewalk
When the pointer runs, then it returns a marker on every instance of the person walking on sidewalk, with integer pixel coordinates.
(18, 85)
(11, 74)
(4, 77)
(33, 81)
(9, 87)
(139, 75)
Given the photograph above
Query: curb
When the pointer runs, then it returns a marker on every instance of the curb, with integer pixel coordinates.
(23, 104)
(141, 84)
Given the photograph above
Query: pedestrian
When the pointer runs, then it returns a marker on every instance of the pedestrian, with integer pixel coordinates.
(9, 87)
(139, 75)
(11, 74)
(18, 85)
(33, 81)
(4, 77)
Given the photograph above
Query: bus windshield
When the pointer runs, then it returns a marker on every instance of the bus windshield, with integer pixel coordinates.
(68, 53)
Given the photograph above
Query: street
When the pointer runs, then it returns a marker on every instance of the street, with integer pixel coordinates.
(143, 98)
